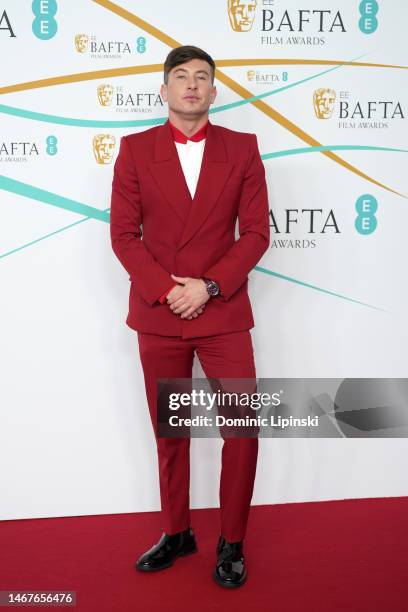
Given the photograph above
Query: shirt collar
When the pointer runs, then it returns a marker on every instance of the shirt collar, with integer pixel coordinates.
(178, 135)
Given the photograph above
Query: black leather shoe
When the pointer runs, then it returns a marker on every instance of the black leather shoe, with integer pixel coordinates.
(167, 549)
(230, 570)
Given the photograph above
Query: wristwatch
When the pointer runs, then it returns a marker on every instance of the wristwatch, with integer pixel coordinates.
(213, 288)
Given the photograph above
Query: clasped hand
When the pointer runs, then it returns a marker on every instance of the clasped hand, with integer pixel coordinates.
(189, 297)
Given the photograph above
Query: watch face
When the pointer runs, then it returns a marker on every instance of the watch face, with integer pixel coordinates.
(213, 288)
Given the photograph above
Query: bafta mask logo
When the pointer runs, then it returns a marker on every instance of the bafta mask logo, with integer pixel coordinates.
(250, 75)
(323, 102)
(105, 94)
(104, 148)
(81, 42)
(241, 14)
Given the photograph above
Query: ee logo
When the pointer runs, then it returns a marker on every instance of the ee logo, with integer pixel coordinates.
(44, 25)
(368, 21)
(51, 145)
(366, 221)
(141, 44)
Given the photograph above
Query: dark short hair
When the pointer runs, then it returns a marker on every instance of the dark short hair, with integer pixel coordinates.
(179, 55)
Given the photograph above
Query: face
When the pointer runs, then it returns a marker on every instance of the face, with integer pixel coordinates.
(241, 14)
(104, 148)
(189, 91)
(81, 42)
(324, 102)
(105, 93)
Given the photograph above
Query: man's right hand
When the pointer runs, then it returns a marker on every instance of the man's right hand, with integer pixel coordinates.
(174, 294)
(196, 312)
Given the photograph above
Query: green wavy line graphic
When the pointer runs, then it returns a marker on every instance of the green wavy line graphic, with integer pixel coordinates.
(301, 150)
(58, 231)
(257, 268)
(91, 212)
(93, 123)
(47, 197)
(316, 288)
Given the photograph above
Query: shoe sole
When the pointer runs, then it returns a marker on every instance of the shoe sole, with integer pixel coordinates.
(170, 564)
(228, 585)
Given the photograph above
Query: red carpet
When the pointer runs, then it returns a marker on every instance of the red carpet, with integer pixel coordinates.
(349, 556)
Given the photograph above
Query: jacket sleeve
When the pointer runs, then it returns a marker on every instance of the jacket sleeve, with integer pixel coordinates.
(231, 270)
(151, 278)
(162, 298)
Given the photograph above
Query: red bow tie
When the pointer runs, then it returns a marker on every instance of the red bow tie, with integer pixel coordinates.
(178, 135)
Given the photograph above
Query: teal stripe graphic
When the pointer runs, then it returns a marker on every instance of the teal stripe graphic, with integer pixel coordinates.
(90, 212)
(257, 268)
(41, 195)
(309, 286)
(32, 192)
(272, 92)
(25, 114)
(55, 119)
(29, 191)
(103, 215)
(61, 229)
(343, 147)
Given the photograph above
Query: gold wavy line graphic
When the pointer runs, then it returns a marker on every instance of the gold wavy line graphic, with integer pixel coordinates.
(259, 61)
(241, 91)
(81, 76)
(150, 68)
(232, 84)
(297, 131)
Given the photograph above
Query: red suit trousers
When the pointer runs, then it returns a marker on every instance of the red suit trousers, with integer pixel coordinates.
(227, 355)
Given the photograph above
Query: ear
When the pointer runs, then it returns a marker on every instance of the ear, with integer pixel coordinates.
(213, 94)
(163, 91)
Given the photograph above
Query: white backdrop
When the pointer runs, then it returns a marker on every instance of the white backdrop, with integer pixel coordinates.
(75, 435)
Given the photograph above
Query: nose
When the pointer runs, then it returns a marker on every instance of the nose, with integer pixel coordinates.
(191, 84)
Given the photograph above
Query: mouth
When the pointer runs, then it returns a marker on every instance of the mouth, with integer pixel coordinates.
(190, 98)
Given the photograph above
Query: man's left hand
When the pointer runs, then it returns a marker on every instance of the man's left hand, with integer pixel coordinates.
(193, 296)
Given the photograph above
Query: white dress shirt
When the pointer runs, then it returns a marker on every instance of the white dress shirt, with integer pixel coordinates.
(191, 156)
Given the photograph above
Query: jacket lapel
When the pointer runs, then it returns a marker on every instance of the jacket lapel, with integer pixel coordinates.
(168, 173)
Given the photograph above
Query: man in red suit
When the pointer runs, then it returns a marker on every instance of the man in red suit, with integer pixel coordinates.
(177, 192)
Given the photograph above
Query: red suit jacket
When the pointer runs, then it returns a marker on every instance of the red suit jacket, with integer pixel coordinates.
(158, 229)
